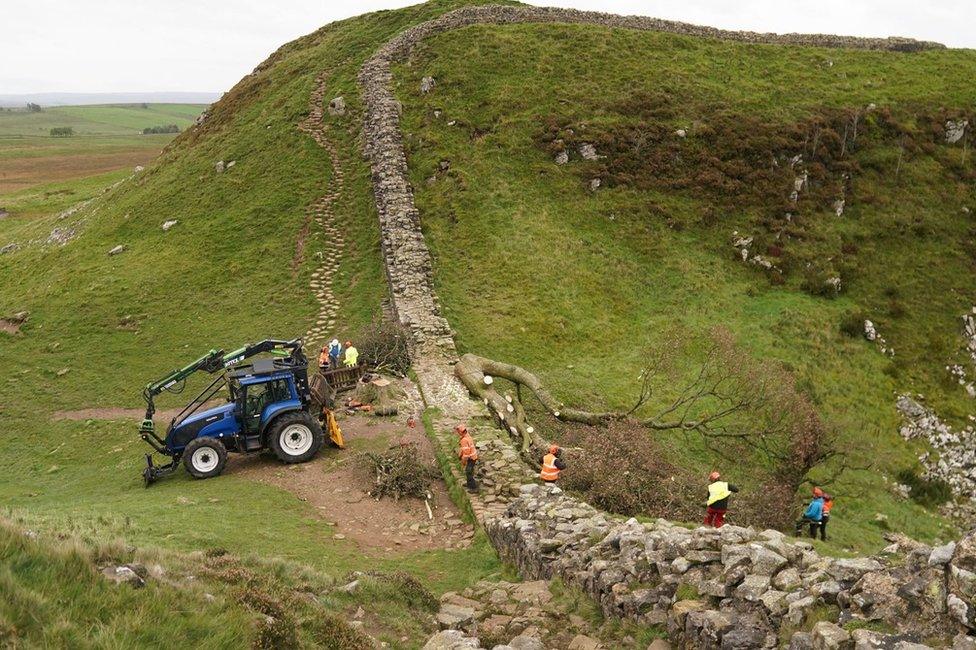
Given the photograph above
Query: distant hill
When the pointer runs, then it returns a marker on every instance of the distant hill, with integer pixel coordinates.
(76, 99)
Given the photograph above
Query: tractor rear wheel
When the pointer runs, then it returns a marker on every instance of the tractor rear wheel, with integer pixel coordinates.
(204, 457)
(295, 437)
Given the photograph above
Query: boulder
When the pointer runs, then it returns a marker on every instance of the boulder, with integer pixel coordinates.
(679, 613)
(219, 166)
(583, 642)
(454, 616)
(962, 581)
(955, 130)
(941, 555)
(118, 249)
(787, 580)
(774, 601)
(752, 588)
(337, 106)
(830, 636)
(169, 223)
(523, 642)
(562, 157)
(588, 152)
(851, 569)
(764, 561)
(451, 640)
(797, 610)
(127, 574)
(427, 85)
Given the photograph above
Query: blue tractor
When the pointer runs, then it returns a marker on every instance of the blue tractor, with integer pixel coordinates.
(269, 406)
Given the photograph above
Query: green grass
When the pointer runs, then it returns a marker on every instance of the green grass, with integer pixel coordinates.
(52, 596)
(108, 120)
(576, 285)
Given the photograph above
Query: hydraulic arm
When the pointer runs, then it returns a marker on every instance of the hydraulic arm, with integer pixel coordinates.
(211, 362)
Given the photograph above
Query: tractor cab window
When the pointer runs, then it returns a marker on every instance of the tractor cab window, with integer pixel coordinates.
(258, 396)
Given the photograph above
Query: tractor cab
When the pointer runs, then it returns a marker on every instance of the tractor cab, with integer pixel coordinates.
(259, 393)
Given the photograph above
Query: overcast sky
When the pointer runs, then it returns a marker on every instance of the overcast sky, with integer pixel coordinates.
(207, 45)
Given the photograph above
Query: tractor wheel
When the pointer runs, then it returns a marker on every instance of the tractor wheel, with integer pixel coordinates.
(204, 457)
(295, 437)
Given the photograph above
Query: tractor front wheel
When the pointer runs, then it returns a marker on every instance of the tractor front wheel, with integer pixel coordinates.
(204, 457)
(295, 437)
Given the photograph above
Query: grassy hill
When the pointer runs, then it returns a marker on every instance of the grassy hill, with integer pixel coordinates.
(567, 282)
(574, 284)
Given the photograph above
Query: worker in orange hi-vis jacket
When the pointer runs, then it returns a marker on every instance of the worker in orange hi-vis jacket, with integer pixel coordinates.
(469, 455)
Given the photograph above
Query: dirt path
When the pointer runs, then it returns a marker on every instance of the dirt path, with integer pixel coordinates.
(321, 213)
(336, 487)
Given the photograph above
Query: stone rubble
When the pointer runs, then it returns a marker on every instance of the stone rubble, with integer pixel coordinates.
(955, 130)
(954, 457)
(871, 334)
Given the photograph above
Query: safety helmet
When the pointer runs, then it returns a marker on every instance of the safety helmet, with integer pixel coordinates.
(714, 476)
(554, 449)
(817, 492)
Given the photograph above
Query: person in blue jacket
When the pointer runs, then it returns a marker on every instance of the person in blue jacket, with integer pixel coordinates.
(813, 514)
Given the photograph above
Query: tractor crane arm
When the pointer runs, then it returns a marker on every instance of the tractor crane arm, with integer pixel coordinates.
(212, 362)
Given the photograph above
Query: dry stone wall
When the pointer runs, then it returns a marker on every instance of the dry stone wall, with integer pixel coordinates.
(737, 587)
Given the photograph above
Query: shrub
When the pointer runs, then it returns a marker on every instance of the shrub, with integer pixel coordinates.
(169, 128)
(384, 346)
(852, 324)
(332, 631)
(625, 472)
(930, 493)
(62, 132)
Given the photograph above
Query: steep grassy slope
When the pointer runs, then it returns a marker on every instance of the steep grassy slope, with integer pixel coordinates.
(101, 326)
(52, 596)
(535, 269)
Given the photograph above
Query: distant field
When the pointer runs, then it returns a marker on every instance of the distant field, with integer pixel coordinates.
(97, 120)
(106, 139)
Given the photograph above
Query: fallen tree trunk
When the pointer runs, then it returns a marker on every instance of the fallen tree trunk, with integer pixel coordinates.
(474, 365)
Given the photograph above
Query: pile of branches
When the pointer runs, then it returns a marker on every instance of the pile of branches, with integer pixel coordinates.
(399, 472)
(383, 346)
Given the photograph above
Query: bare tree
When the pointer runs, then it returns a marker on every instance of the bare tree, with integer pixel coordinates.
(733, 402)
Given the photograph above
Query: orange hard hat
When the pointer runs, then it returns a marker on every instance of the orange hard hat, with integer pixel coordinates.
(553, 449)
(714, 476)
(817, 492)
(460, 429)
